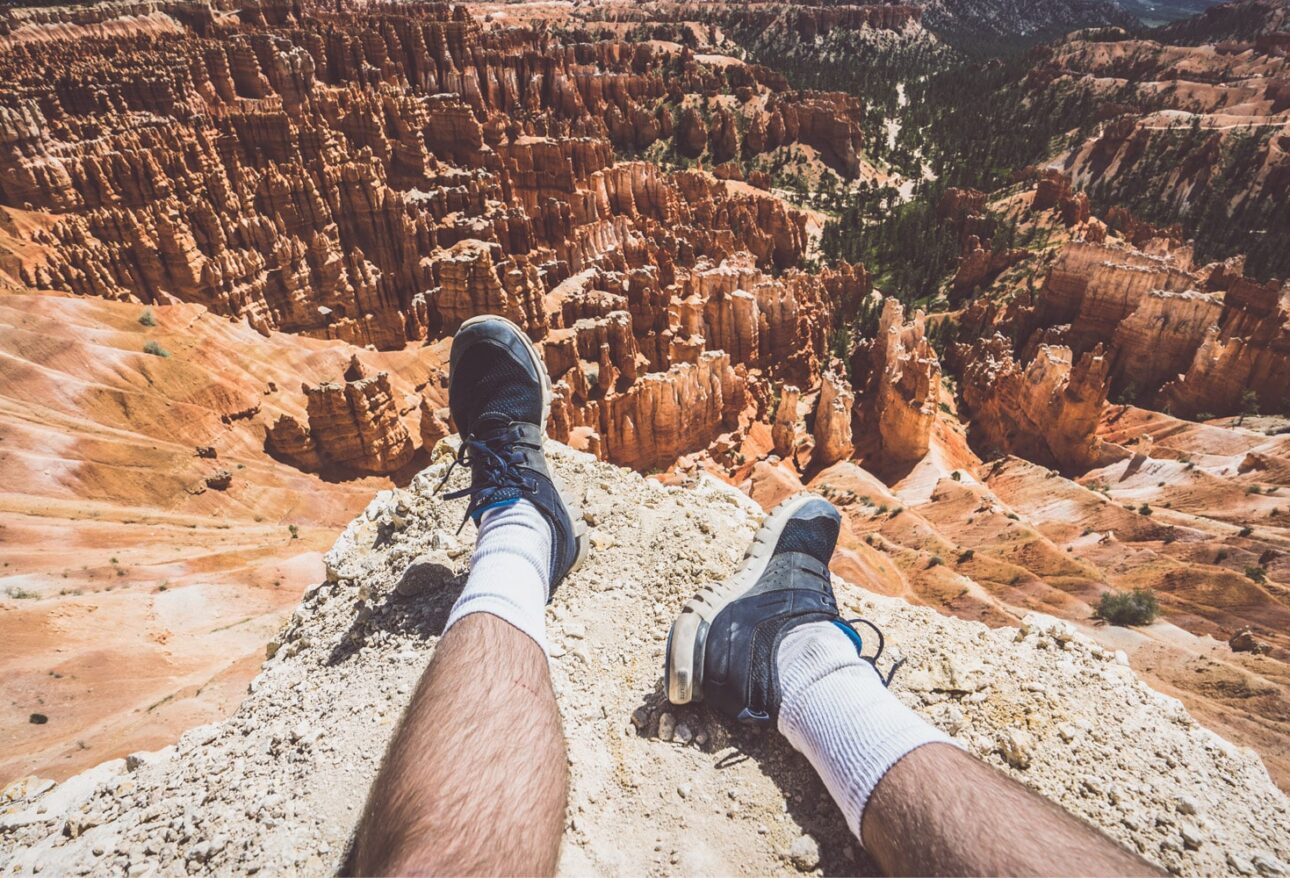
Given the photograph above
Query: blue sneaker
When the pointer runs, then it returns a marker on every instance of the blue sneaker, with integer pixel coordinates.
(500, 396)
(722, 645)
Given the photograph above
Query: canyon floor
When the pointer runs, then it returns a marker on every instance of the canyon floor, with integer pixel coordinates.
(136, 600)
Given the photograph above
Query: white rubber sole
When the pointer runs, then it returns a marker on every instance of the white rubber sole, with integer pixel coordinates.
(575, 513)
(687, 641)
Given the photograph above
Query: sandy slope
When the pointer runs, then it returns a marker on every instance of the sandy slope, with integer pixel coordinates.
(134, 602)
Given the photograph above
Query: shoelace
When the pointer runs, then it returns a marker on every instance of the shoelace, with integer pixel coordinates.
(500, 463)
(873, 660)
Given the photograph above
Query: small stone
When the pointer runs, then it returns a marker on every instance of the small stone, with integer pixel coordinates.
(682, 734)
(1016, 745)
(804, 853)
(1191, 837)
(684, 791)
(1239, 864)
(953, 720)
(220, 480)
(1186, 805)
(1268, 865)
(666, 726)
(640, 717)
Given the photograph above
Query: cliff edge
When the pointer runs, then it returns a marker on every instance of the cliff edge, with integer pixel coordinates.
(277, 788)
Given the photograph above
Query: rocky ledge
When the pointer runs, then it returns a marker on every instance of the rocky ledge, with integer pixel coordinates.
(277, 788)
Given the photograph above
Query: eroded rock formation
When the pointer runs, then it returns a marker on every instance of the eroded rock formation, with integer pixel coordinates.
(833, 421)
(354, 424)
(1047, 411)
(784, 428)
(379, 176)
(1206, 340)
(897, 377)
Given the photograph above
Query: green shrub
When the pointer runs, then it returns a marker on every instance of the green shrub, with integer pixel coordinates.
(1137, 607)
(966, 555)
(935, 561)
(1257, 573)
(1144, 509)
(146, 318)
(155, 349)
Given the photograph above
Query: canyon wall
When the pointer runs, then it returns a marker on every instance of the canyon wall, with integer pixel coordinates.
(378, 176)
(1192, 340)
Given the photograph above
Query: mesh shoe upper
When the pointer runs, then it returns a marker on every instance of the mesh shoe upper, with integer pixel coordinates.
(487, 379)
(740, 678)
(814, 532)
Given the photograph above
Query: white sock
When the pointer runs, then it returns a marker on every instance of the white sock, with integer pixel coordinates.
(509, 570)
(835, 710)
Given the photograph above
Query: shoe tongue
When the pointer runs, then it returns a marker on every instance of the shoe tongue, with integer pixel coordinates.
(489, 424)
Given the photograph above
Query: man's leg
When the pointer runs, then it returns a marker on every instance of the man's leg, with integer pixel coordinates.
(970, 818)
(767, 646)
(921, 806)
(474, 780)
(474, 783)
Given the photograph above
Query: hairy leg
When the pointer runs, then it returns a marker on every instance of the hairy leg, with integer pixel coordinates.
(939, 811)
(475, 780)
(919, 804)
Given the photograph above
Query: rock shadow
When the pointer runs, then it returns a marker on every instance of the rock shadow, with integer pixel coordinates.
(339, 475)
(730, 743)
(417, 606)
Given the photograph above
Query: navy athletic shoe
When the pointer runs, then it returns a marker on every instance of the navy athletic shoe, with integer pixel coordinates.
(500, 395)
(722, 646)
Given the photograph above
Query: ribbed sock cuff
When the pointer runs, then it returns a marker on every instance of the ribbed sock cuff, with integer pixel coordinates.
(835, 710)
(509, 570)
